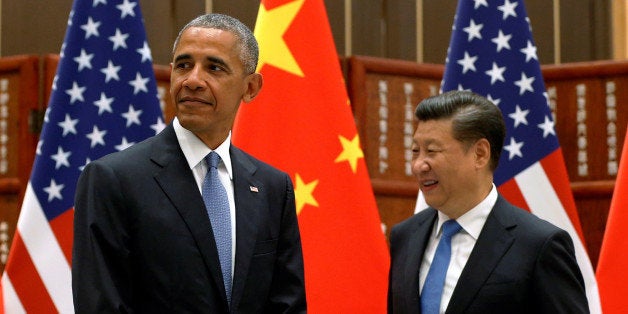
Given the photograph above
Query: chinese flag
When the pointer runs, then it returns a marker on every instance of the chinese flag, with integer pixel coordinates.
(302, 123)
(612, 267)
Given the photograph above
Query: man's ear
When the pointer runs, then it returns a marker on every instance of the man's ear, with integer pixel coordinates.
(254, 83)
(482, 150)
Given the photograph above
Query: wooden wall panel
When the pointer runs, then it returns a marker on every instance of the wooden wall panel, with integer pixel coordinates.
(438, 18)
(401, 37)
(384, 94)
(368, 28)
(19, 103)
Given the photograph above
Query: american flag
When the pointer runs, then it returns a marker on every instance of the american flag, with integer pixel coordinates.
(104, 99)
(492, 53)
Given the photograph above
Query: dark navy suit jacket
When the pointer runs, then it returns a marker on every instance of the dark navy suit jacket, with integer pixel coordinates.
(143, 241)
(520, 264)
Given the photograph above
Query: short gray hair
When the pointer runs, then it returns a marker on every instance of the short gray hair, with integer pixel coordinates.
(247, 44)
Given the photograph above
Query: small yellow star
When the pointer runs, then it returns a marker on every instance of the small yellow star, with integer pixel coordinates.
(351, 151)
(269, 30)
(303, 193)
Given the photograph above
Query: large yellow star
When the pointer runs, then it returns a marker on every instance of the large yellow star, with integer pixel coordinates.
(303, 193)
(269, 30)
(351, 151)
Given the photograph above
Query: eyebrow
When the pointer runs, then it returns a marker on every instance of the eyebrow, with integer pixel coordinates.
(216, 60)
(219, 61)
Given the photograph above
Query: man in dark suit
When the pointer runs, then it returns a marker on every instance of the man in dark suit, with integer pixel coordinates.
(144, 236)
(471, 251)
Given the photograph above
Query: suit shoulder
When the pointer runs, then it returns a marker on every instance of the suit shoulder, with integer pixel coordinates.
(529, 223)
(140, 148)
(262, 166)
(412, 222)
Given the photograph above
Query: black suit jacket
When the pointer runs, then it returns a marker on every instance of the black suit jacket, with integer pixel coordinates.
(143, 241)
(520, 264)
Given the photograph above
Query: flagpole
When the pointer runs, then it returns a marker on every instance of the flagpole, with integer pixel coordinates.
(348, 24)
(557, 52)
(419, 31)
(618, 9)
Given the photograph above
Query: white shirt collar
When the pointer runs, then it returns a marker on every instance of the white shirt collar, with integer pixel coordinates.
(195, 150)
(473, 221)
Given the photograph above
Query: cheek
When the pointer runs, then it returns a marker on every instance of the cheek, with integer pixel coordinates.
(175, 86)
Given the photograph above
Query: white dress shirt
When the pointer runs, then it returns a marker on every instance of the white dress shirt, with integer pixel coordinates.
(195, 152)
(462, 244)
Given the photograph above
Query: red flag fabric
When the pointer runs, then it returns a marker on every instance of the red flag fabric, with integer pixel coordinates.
(612, 267)
(104, 99)
(302, 122)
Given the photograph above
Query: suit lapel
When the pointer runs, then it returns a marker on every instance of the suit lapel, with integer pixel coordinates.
(190, 205)
(248, 194)
(493, 242)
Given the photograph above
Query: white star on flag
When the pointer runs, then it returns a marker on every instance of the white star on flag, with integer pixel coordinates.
(91, 28)
(502, 41)
(525, 83)
(76, 92)
(496, 73)
(68, 125)
(519, 116)
(84, 60)
(118, 40)
(139, 83)
(104, 103)
(132, 116)
(111, 71)
(514, 148)
(54, 190)
(529, 51)
(473, 30)
(508, 8)
(61, 158)
(467, 63)
(548, 127)
(97, 136)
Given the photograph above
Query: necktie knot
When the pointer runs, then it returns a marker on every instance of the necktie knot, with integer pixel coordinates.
(451, 227)
(212, 160)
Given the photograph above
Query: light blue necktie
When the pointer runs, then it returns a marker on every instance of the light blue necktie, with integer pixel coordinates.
(435, 280)
(217, 205)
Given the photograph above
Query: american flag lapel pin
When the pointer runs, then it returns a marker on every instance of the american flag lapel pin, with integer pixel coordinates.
(253, 189)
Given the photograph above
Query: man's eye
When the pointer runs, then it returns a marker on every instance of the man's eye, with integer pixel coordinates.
(214, 67)
(182, 65)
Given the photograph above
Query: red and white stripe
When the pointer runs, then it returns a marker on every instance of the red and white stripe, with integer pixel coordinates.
(37, 277)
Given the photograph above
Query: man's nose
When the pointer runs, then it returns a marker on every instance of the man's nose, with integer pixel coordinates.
(195, 78)
(419, 164)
